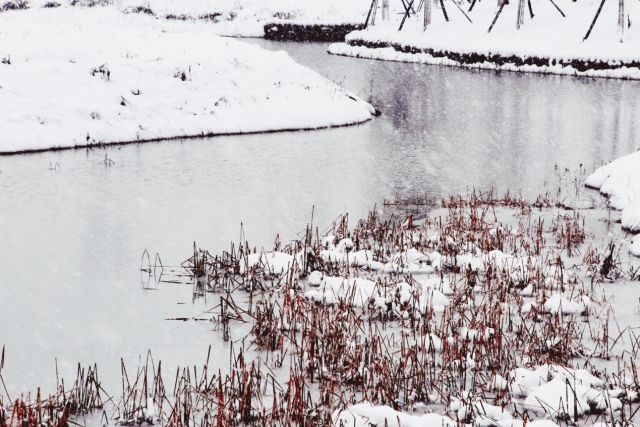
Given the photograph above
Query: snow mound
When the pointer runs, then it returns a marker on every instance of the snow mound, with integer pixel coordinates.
(563, 398)
(275, 263)
(620, 181)
(367, 415)
(483, 414)
(558, 304)
(335, 289)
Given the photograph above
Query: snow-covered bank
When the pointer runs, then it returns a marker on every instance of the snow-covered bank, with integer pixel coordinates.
(620, 181)
(82, 76)
(547, 41)
(238, 18)
(515, 63)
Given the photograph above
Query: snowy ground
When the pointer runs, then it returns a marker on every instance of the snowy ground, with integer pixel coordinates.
(620, 181)
(242, 18)
(556, 39)
(79, 76)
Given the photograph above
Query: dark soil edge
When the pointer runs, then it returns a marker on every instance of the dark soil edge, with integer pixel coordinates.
(580, 65)
(309, 33)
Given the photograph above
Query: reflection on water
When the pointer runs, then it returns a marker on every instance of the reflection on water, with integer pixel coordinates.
(461, 127)
(71, 240)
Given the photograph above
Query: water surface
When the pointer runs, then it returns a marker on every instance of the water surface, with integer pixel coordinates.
(71, 239)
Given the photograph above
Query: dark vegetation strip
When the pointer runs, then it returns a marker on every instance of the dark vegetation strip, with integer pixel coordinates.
(498, 59)
(315, 33)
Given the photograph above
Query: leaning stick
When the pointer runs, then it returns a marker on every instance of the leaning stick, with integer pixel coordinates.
(557, 8)
(408, 4)
(366, 22)
(595, 18)
(406, 13)
(461, 10)
(504, 3)
(444, 11)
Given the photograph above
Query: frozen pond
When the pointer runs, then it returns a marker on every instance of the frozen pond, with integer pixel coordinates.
(71, 238)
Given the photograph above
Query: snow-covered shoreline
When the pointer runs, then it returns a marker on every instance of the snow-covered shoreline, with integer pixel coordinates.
(487, 61)
(94, 76)
(620, 182)
(165, 139)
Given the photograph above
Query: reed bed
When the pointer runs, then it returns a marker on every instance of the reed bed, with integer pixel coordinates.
(481, 309)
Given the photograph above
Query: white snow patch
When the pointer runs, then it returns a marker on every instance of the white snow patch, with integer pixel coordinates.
(276, 263)
(558, 304)
(335, 289)
(368, 415)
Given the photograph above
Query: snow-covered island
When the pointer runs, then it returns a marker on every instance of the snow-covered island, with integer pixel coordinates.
(596, 38)
(77, 76)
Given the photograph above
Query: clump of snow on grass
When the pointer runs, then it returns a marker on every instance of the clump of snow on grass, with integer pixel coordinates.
(441, 284)
(273, 263)
(559, 304)
(561, 391)
(483, 414)
(408, 261)
(82, 76)
(524, 381)
(521, 423)
(419, 296)
(620, 181)
(562, 398)
(334, 289)
(367, 415)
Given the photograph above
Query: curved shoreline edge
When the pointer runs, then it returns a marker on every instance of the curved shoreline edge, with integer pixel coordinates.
(179, 137)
